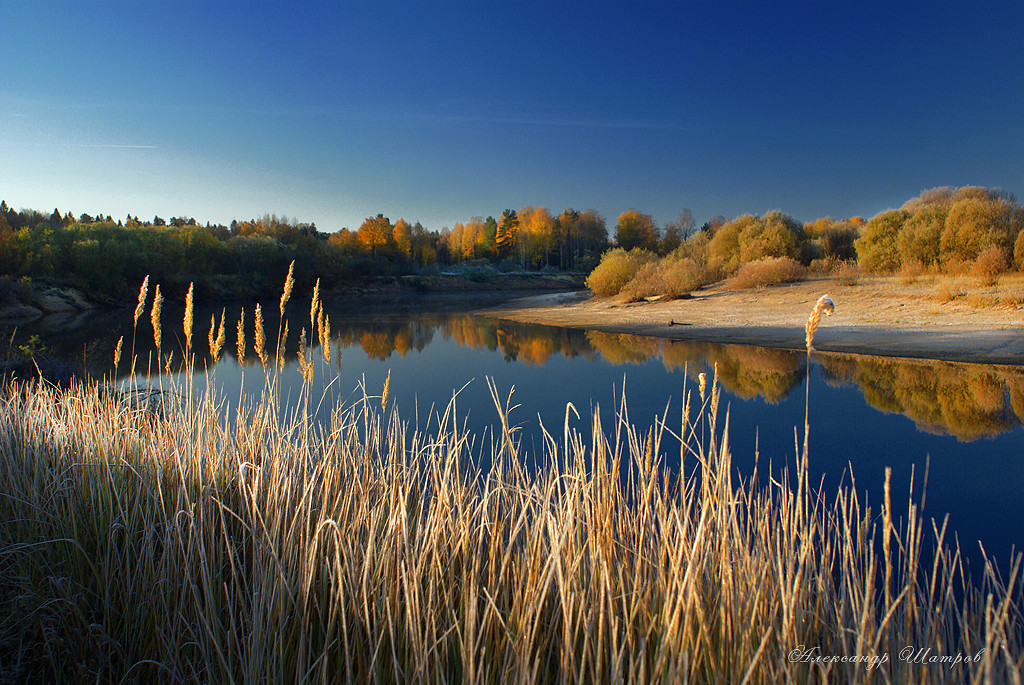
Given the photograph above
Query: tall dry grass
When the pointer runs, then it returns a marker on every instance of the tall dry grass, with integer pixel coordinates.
(186, 545)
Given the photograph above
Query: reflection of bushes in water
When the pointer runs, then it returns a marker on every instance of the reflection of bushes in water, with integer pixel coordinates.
(1017, 395)
(377, 344)
(837, 370)
(756, 371)
(743, 370)
(381, 340)
(524, 347)
(680, 354)
(527, 343)
(467, 332)
(623, 348)
(942, 397)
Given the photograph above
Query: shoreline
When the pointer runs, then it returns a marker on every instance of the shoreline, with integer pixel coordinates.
(878, 316)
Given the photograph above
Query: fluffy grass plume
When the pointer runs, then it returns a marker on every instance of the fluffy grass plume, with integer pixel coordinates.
(281, 347)
(217, 343)
(289, 283)
(314, 307)
(154, 318)
(260, 340)
(240, 337)
(824, 305)
(188, 323)
(117, 353)
(325, 336)
(305, 358)
(141, 306)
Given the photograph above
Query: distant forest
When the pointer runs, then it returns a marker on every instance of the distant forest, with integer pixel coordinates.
(109, 258)
(943, 230)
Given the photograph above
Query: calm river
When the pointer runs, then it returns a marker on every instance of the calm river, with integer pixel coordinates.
(961, 420)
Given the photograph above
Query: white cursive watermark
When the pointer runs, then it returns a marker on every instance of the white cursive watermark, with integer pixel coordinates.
(913, 655)
(924, 655)
(812, 655)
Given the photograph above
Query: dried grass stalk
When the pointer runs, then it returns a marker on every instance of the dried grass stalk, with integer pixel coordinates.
(289, 283)
(187, 324)
(154, 318)
(240, 337)
(217, 343)
(141, 306)
(261, 338)
(823, 305)
(282, 347)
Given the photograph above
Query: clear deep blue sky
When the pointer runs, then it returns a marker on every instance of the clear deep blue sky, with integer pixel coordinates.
(333, 111)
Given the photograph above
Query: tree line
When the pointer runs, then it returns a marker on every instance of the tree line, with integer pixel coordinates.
(247, 258)
(944, 230)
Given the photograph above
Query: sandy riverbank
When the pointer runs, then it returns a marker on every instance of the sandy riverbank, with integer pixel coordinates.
(951, 318)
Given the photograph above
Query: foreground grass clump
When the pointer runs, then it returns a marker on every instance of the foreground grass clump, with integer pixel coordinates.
(186, 545)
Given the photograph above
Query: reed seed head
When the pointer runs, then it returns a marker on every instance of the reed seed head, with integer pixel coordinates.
(117, 353)
(305, 363)
(154, 318)
(314, 306)
(289, 283)
(141, 306)
(282, 347)
(387, 389)
(188, 317)
(325, 336)
(823, 305)
(240, 337)
(218, 344)
(702, 383)
(261, 338)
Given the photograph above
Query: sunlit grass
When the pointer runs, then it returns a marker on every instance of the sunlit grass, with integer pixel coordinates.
(184, 542)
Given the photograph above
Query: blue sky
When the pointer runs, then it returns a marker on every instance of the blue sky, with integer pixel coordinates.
(334, 111)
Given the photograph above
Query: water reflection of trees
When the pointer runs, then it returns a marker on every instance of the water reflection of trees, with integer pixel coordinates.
(742, 370)
(527, 344)
(968, 401)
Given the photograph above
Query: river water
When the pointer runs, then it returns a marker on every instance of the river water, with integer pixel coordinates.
(961, 422)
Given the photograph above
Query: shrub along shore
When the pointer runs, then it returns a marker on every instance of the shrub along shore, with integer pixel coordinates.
(176, 542)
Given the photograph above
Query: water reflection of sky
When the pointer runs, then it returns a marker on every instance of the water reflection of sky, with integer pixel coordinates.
(963, 420)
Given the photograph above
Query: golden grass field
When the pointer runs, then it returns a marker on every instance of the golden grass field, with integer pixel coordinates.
(178, 542)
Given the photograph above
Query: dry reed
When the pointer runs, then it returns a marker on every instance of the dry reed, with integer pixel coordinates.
(240, 337)
(141, 306)
(823, 305)
(178, 545)
(154, 319)
(217, 343)
(260, 341)
(289, 283)
(314, 308)
(117, 353)
(281, 347)
(187, 322)
(305, 360)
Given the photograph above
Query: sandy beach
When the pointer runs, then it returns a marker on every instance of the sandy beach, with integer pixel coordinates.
(934, 317)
